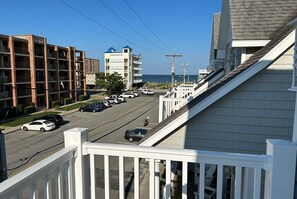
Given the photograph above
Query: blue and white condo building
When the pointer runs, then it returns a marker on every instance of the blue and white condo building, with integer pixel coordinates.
(124, 63)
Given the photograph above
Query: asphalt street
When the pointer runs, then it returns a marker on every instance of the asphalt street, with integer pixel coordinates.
(25, 148)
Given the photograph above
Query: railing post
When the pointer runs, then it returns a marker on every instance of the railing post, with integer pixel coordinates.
(3, 165)
(77, 137)
(161, 108)
(280, 179)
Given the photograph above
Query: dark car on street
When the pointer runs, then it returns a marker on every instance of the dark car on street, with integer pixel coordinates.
(99, 104)
(91, 108)
(135, 134)
(56, 119)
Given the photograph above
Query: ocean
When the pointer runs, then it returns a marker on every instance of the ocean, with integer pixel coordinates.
(167, 78)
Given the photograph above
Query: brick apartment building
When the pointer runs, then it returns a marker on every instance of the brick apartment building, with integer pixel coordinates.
(33, 71)
(92, 71)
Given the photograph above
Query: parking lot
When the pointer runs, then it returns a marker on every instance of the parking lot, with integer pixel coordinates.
(108, 125)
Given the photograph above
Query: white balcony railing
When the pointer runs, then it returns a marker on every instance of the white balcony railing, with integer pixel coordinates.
(73, 171)
(175, 99)
(181, 95)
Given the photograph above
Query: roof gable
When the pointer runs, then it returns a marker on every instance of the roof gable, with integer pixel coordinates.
(261, 59)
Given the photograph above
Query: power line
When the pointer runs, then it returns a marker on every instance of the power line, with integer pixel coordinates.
(147, 26)
(102, 26)
(112, 11)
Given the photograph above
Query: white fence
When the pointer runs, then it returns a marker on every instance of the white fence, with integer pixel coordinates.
(72, 172)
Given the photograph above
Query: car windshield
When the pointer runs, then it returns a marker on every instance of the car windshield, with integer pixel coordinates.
(46, 122)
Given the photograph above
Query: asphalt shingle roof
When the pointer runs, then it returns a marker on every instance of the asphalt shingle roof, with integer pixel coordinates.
(260, 19)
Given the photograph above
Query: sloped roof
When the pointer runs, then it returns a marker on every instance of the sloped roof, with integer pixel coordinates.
(110, 50)
(220, 83)
(260, 19)
(128, 47)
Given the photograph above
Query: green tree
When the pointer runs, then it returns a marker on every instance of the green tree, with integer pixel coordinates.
(113, 83)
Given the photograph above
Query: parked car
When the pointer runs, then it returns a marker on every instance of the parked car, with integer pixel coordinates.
(127, 95)
(57, 119)
(39, 125)
(135, 134)
(106, 104)
(113, 100)
(99, 104)
(121, 99)
(136, 94)
(147, 92)
(91, 108)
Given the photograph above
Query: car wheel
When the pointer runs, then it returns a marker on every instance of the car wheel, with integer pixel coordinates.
(94, 111)
(25, 128)
(131, 139)
(81, 110)
(42, 129)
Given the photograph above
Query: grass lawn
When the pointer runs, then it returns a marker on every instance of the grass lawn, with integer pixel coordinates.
(28, 118)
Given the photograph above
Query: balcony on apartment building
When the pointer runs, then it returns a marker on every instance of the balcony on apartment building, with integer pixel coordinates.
(63, 54)
(5, 94)
(22, 65)
(4, 49)
(137, 68)
(5, 64)
(137, 62)
(4, 79)
(51, 53)
(24, 92)
(135, 81)
(148, 172)
(137, 75)
(21, 50)
(63, 67)
(23, 78)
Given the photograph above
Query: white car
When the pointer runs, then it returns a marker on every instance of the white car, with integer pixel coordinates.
(121, 99)
(39, 125)
(127, 95)
(147, 92)
(136, 94)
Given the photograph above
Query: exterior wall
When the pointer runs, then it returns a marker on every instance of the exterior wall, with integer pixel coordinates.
(261, 108)
(92, 69)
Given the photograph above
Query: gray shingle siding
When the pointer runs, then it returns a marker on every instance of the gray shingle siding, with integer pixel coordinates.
(260, 19)
(261, 108)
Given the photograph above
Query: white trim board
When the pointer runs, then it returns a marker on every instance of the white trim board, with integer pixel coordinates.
(249, 43)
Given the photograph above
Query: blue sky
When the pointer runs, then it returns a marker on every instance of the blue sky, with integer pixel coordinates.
(181, 26)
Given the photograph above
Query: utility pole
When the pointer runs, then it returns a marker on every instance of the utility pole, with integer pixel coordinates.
(173, 56)
(185, 71)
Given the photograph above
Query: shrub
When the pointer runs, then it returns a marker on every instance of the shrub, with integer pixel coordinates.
(55, 104)
(67, 101)
(82, 97)
(20, 109)
(29, 109)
